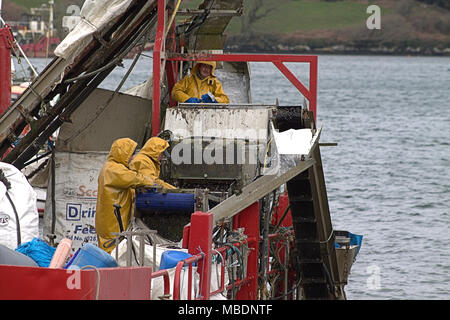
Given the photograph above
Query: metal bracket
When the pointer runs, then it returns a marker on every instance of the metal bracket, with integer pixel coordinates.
(128, 235)
(28, 118)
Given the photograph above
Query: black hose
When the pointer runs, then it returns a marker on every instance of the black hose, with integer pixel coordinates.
(8, 186)
(118, 216)
(53, 191)
(19, 237)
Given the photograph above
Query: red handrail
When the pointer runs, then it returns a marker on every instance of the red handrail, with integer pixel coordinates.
(177, 278)
(163, 60)
(310, 93)
(165, 275)
(194, 259)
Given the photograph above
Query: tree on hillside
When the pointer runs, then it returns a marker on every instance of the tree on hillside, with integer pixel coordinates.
(255, 11)
(441, 3)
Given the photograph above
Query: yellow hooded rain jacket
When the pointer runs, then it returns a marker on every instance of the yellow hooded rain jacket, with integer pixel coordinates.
(146, 161)
(192, 86)
(115, 186)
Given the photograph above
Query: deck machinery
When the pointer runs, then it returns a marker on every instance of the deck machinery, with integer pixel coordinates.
(243, 197)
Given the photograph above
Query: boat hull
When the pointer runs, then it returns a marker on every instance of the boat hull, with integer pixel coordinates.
(35, 283)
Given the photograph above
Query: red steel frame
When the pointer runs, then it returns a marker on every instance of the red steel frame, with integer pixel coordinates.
(158, 64)
(165, 275)
(277, 59)
(197, 237)
(169, 62)
(35, 283)
(6, 42)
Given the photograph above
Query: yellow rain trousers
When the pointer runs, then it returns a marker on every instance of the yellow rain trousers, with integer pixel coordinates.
(192, 86)
(146, 161)
(115, 186)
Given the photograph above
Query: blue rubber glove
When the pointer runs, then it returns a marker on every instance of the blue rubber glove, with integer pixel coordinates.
(207, 99)
(193, 100)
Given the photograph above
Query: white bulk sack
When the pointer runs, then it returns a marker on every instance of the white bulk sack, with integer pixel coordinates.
(24, 199)
(76, 175)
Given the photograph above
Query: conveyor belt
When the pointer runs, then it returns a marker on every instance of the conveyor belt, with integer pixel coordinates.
(314, 238)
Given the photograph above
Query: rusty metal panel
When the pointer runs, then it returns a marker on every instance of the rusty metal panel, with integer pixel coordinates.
(103, 118)
(222, 122)
(211, 30)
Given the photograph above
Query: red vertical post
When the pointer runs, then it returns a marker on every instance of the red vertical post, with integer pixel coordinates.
(171, 71)
(171, 66)
(283, 210)
(200, 242)
(6, 39)
(249, 220)
(313, 74)
(158, 49)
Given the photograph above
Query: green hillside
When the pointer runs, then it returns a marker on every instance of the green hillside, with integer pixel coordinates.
(407, 26)
(293, 16)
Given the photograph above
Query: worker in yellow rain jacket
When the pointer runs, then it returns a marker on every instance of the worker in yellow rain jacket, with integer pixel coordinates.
(147, 161)
(115, 187)
(201, 85)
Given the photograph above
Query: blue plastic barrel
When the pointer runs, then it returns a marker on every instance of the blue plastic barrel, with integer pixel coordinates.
(170, 258)
(91, 255)
(150, 200)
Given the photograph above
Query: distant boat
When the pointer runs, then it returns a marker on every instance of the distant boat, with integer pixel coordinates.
(43, 48)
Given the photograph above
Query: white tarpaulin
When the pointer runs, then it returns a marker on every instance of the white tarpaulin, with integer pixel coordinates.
(23, 197)
(76, 177)
(293, 141)
(95, 14)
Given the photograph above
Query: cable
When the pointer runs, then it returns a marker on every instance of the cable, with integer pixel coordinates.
(98, 279)
(195, 24)
(283, 216)
(19, 237)
(8, 186)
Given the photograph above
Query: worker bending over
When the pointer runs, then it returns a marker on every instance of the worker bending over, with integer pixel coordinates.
(201, 85)
(148, 161)
(116, 183)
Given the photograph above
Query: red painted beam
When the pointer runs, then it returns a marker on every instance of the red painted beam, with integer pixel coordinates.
(277, 59)
(249, 220)
(200, 242)
(35, 283)
(158, 49)
(240, 57)
(6, 40)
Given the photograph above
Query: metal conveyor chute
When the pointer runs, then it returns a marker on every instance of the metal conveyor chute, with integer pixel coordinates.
(86, 57)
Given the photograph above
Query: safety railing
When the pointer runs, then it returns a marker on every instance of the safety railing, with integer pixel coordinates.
(189, 264)
(219, 256)
(165, 275)
(167, 60)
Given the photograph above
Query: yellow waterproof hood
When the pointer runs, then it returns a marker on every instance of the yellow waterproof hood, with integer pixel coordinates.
(122, 150)
(210, 63)
(154, 147)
